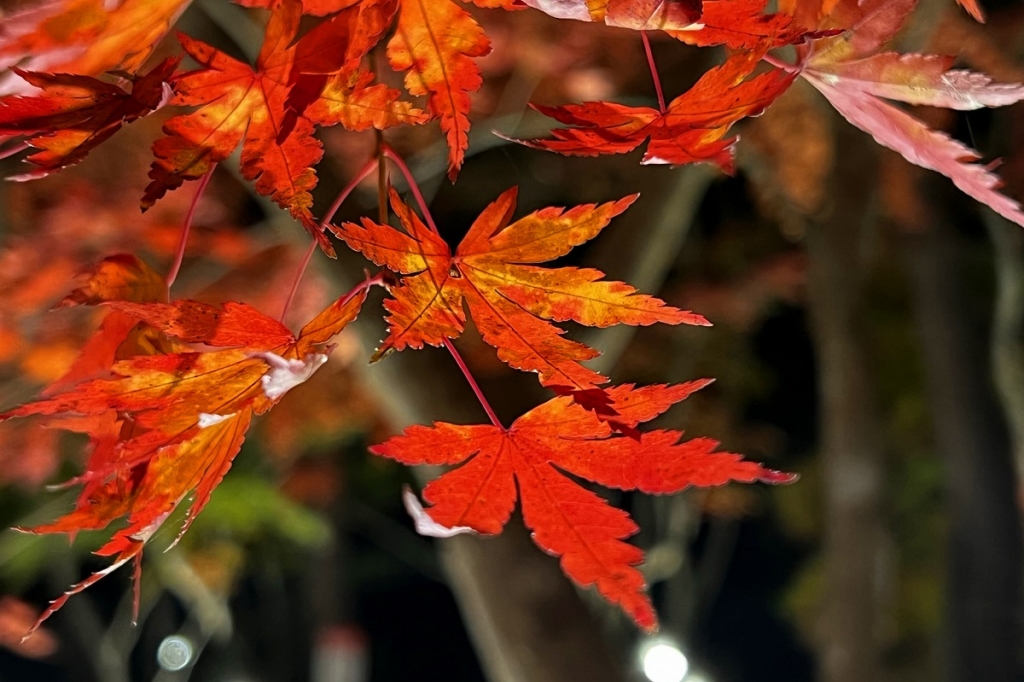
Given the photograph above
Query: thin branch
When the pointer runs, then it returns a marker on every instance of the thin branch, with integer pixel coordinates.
(13, 149)
(382, 180)
(654, 71)
(1008, 327)
(370, 281)
(472, 383)
(397, 160)
(187, 227)
(298, 278)
(363, 173)
(779, 64)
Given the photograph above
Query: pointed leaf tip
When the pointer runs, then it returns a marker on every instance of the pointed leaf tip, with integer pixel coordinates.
(773, 477)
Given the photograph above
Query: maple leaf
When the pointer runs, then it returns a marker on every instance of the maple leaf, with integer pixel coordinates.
(271, 110)
(807, 13)
(317, 8)
(566, 519)
(329, 85)
(169, 424)
(84, 37)
(852, 74)
(973, 8)
(691, 129)
(241, 104)
(74, 114)
(122, 277)
(639, 15)
(435, 41)
(510, 299)
(741, 25)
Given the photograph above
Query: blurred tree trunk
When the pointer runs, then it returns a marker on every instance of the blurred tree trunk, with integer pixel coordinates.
(1008, 331)
(851, 449)
(984, 575)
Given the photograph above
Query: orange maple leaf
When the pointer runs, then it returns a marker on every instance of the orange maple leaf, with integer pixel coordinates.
(566, 519)
(241, 104)
(169, 424)
(122, 277)
(510, 299)
(85, 37)
(692, 128)
(317, 8)
(271, 110)
(329, 83)
(435, 41)
(741, 25)
(74, 114)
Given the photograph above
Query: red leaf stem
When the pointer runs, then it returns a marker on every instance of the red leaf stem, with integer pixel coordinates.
(472, 383)
(187, 227)
(654, 71)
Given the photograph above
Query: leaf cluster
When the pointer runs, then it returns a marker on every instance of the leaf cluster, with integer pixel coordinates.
(167, 389)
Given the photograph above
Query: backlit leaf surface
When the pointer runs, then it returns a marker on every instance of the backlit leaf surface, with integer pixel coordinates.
(74, 114)
(692, 129)
(511, 300)
(854, 75)
(83, 37)
(527, 461)
(435, 43)
(168, 425)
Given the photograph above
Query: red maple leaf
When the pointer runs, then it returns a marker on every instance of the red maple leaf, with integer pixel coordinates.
(692, 128)
(741, 25)
(566, 519)
(74, 114)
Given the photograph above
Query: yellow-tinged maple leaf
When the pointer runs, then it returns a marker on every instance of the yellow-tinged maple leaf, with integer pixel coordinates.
(353, 101)
(122, 277)
(85, 37)
(512, 301)
(169, 424)
(435, 42)
(330, 84)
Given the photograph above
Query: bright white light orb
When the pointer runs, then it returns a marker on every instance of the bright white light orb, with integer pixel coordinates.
(175, 653)
(663, 662)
